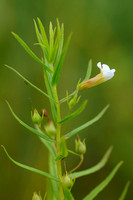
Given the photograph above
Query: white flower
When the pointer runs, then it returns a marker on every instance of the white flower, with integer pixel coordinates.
(107, 72)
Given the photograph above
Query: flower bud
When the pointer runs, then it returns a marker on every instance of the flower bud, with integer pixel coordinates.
(50, 129)
(36, 196)
(67, 182)
(80, 147)
(36, 118)
(73, 101)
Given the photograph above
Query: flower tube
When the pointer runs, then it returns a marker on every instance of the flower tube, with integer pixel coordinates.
(105, 74)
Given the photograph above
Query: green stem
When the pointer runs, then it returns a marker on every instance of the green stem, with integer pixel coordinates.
(58, 137)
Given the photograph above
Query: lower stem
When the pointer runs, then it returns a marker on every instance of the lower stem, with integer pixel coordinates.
(58, 136)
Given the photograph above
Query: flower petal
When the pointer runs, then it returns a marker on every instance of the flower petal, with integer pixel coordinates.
(105, 67)
(99, 65)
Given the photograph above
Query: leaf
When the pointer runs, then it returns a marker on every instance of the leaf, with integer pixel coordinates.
(56, 45)
(67, 194)
(82, 127)
(30, 82)
(74, 114)
(58, 66)
(51, 38)
(31, 168)
(43, 33)
(103, 184)
(61, 41)
(41, 42)
(95, 168)
(122, 197)
(45, 137)
(30, 52)
(89, 69)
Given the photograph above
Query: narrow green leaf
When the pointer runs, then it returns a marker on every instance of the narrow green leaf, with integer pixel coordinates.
(95, 168)
(44, 198)
(61, 41)
(56, 44)
(31, 168)
(89, 69)
(122, 197)
(45, 137)
(30, 52)
(29, 82)
(74, 114)
(82, 127)
(43, 33)
(41, 42)
(58, 67)
(67, 194)
(103, 184)
(51, 38)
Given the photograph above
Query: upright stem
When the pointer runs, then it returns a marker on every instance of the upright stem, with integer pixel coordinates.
(58, 136)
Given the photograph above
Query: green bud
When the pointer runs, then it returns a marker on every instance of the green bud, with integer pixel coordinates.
(80, 147)
(50, 129)
(67, 182)
(36, 196)
(36, 118)
(74, 101)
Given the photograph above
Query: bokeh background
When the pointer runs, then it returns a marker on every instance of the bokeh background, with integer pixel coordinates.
(103, 31)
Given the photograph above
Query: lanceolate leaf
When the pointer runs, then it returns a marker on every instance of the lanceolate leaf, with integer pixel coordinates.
(74, 114)
(82, 127)
(40, 134)
(122, 197)
(43, 33)
(56, 44)
(88, 74)
(61, 41)
(31, 168)
(51, 38)
(95, 168)
(58, 67)
(30, 52)
(67, 194)
(103, 184)
(26, 80)
(41, 42)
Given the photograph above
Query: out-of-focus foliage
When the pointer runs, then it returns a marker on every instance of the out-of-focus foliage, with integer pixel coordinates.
(103, 31)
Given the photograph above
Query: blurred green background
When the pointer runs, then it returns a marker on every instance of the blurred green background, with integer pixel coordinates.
(102, 30)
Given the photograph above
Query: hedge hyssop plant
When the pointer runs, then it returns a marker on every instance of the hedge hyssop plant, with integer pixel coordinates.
(60, 184)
